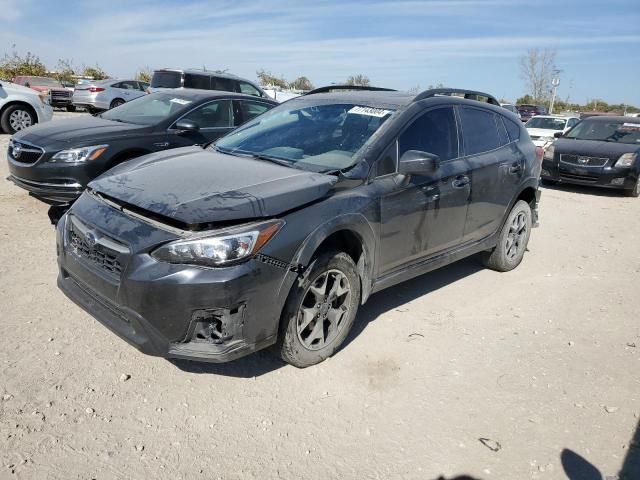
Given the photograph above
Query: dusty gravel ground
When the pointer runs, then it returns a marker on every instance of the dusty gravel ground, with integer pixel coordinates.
(539, 361)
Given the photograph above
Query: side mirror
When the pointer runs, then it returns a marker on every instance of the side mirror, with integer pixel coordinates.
(418, 162)
(27, 84)
(558, 134)
(187, 126)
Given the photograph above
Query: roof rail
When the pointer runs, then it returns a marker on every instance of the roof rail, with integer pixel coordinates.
(332, 88)
(468, 94)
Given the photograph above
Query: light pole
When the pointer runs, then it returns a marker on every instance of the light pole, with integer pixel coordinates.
(555, 81)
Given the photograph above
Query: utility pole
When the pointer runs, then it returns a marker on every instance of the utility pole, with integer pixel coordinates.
(555, 81)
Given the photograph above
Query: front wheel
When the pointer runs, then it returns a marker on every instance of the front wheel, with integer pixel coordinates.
(71, 108)
(512, 241)
(635, 191)
(16, 118)
(320, 310)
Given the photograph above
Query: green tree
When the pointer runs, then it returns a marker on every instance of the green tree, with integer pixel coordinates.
(65, 71)
(144, 74)
(15, 64)
(96, 73)
(269, 80)
(301, 83)
(358, 80)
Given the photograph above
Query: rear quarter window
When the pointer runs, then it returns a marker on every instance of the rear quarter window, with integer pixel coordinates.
(479, 130)
(513, 128)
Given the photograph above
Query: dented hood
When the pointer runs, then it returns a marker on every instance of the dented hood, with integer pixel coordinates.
(194, 186)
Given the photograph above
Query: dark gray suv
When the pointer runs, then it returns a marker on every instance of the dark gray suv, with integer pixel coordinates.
(204, 80)
(277, 233)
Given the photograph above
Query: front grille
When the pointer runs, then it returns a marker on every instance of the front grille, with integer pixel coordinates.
(60, 94)
(98, 254)
(24, 152)
(584, 160)
(582, 178)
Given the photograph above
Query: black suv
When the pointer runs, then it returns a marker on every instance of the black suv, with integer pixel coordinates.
(277, 233)
(204, 80)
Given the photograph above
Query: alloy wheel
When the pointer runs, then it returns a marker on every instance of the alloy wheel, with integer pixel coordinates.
(516, 236)
(19, 120)
(324, 306)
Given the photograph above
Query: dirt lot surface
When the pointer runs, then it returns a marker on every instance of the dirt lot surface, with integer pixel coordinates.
(539, 361)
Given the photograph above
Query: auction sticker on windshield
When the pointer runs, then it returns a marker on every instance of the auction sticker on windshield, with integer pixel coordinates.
(370, 111)
(635, 127)
(181, 101)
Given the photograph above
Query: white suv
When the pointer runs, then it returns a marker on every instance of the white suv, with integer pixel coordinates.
(21, 107)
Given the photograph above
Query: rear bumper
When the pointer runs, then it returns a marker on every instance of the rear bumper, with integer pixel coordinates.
(604, 177)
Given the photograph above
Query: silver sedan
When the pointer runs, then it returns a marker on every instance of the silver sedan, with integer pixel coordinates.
(105, 94)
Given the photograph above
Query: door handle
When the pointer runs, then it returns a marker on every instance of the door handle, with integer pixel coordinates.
(460, 181)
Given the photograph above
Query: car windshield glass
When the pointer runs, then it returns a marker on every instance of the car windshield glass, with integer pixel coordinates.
(149, 109)
(547, 123)
(606, 131)
(43, 82)
(166, 80)
(321, 137)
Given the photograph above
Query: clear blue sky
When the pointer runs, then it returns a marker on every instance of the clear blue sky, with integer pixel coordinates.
(399, 44)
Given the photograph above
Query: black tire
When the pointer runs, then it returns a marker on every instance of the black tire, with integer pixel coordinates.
(116, 103)
(71, 108)
(635, 191)
(16, 118)
(313, 345)
(512, 241)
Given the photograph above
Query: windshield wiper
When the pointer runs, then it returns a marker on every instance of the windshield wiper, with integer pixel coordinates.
(276, 160)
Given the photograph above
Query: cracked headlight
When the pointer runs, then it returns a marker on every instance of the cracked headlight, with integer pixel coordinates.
(79, 155)
(219, 250)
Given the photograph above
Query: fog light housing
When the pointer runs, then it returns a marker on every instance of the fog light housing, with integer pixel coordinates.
(618, 181)
(545, 173)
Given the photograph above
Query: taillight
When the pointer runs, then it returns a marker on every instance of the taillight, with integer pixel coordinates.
(96, 89)
(539, 154)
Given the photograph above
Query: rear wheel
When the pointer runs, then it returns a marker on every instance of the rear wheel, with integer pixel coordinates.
(635, 191)
(16, 118)
(513, 239)
(320, 310)
(116, 103)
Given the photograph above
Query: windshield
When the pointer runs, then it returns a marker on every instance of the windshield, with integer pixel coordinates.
(149, 109)
(321, 137)
(547, 123)
(43, 82)
(166, 80)
(606, 131)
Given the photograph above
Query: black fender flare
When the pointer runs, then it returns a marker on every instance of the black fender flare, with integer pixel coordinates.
(354, 223)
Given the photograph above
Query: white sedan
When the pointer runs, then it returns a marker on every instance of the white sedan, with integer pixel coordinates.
(542, 128)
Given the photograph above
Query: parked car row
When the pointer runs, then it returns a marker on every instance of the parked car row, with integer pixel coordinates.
(277, 232)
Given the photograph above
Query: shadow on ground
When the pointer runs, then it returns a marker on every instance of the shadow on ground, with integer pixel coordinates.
(579, 468)
(264, 362)
(584, 190)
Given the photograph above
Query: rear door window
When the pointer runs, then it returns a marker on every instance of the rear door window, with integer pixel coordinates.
(434, 132)
(479, 130)
(250, 109)
(212, 115)
(201, 82)
(502, 130)
(166, 80)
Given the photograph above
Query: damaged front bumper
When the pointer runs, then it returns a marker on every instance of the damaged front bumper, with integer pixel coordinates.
(169, 310)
